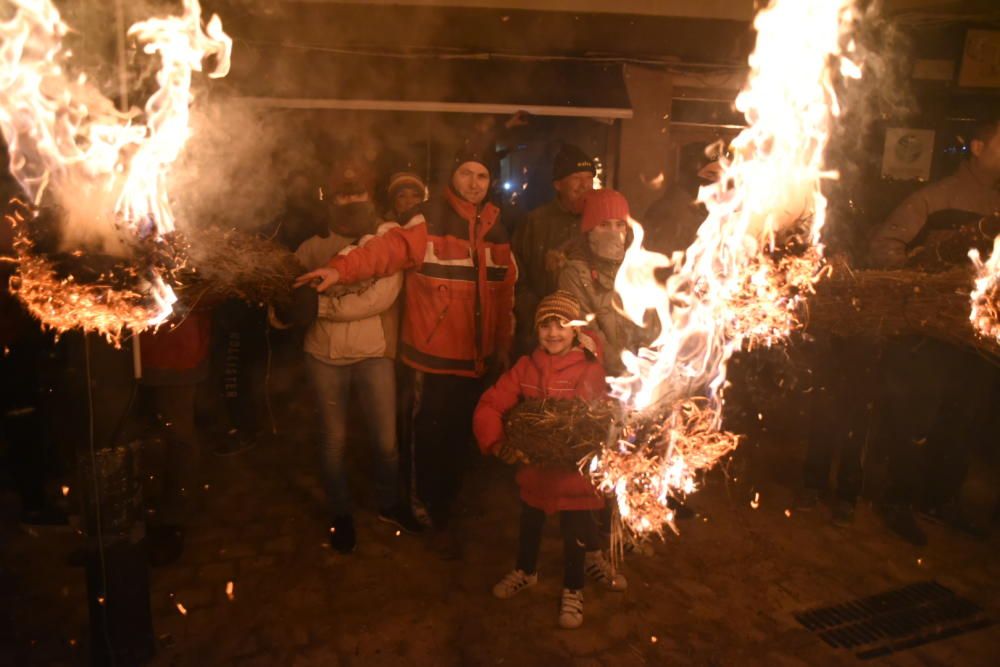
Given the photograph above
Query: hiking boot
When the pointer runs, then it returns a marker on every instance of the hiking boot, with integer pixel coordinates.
(843, 512)
(900, 520)
(402, 518)
(342, 535)
(599, 569)
(513, 583)
(571, 609)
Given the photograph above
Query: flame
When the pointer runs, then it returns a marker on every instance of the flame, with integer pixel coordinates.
(107, 170)
(985, 314)
(743, 280)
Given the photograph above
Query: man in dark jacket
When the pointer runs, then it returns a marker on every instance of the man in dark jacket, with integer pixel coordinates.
(547, 228)
(671, 222)
(922, 375)
(457, 317)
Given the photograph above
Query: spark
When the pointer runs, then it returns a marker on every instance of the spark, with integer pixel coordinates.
(755, 503)
(229, 590)
(182, 609)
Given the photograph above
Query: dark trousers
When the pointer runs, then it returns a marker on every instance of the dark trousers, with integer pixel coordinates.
(839, 414)
(240, 351)
(577, 528)
(936, 400)
(442, 435)
(24, 421)
(405, 406)
(180, 465)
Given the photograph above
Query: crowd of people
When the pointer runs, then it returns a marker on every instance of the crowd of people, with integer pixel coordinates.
(446, 275)
(443, 318)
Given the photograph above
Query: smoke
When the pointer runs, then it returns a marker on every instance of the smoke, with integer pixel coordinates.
(235, 168)
(884, 91)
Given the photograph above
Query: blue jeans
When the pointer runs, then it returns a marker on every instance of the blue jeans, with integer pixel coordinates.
(375, 382)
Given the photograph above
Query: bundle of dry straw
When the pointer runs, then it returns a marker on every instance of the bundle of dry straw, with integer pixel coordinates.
(563, 432)
(228, 263)
(897, 303)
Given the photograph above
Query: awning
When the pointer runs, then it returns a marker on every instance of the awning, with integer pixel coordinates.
(299, 78)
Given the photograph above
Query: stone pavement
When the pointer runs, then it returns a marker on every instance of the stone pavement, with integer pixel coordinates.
(722, 593)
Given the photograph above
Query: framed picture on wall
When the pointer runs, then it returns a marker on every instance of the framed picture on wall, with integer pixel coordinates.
(907, 154)
(980, 60)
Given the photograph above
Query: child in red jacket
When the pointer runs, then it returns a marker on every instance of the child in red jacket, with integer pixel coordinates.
(562, 368)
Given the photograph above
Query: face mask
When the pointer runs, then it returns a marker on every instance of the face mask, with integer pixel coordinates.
(607, 244)
(353, 220)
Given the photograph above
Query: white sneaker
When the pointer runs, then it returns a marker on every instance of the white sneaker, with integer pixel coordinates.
(571, 609)
(513, 583)
(599, 569)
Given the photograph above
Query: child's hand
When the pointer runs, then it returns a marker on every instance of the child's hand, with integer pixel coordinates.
(509, 455)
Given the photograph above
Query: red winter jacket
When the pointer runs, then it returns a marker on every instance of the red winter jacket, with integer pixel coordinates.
(541, 375)
(459, 290)
(177, 352)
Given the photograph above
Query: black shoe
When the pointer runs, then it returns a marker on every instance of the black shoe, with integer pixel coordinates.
(402, 518)
(681, 511)
(900, 520)
(806, 499)
(843, 512)
(342, 535)
(165, 544)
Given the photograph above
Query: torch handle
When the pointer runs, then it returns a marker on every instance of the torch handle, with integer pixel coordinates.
(136, 358)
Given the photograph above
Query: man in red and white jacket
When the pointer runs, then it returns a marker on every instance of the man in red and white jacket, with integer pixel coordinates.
(457, 315)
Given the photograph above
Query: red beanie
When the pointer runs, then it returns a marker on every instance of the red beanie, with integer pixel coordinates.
(601, 205)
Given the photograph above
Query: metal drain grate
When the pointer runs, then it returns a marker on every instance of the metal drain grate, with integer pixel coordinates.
(895, 620)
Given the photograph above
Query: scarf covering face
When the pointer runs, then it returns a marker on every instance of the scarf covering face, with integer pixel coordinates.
(607, 244)
(353, 220)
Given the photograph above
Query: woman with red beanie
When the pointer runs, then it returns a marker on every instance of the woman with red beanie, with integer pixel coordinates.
(591, 262)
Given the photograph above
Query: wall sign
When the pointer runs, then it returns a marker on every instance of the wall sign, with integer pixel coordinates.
(907, 154)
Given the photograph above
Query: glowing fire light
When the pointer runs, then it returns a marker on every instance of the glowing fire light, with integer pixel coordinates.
(743, 280)
(985, 314)
(107, 170)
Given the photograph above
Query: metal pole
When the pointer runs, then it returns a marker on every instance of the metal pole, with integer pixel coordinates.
(122, 68)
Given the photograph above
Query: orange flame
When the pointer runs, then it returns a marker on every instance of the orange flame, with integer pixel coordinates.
(985, 314)
(742, 281)
(104, 168)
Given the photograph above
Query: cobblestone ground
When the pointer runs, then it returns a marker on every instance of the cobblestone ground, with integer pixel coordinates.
(722, 593)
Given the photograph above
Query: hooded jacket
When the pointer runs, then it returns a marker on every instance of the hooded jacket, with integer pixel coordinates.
(542, 375)
(459, 296)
